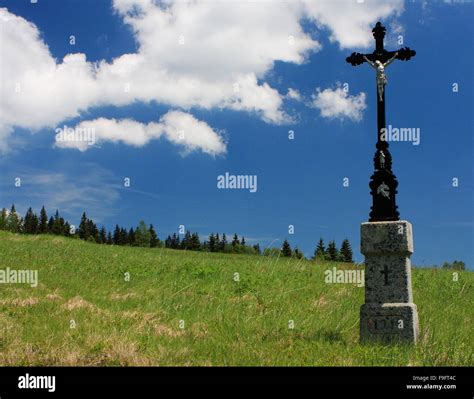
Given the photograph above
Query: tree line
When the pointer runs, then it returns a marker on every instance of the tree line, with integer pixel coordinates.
(321, 253)
(215, 243)
(146, 236)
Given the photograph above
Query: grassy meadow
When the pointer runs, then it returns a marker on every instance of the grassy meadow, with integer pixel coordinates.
(187, 309)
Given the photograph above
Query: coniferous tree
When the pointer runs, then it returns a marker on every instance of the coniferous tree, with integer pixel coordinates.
(117, 237)
(67, 229)
(110, 240)
(332, 251)
(195, 242)
(142, 235)
(50, 225)
(175, 241)
(223, 243)
(186, 241)
(56, 227)
(286, 249)
(320, 251)
(30, 222)
(93, 230)
(14, 222)
(212, 243)
(102, 235)
(124, 236)
(3, 219)
(43, 222)
(242, 242)
(235, 243)
(83, 227)
(256, 247)
(154, 240)
(131, 237)
(298, 254)
(346, 251)
(61, 223)
(218, 242)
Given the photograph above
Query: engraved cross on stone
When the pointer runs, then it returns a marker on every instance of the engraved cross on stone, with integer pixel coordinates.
(385, 272)
(384, 207)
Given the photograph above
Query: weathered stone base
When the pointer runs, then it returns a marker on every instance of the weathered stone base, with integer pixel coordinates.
(388, 323)
(389, 314)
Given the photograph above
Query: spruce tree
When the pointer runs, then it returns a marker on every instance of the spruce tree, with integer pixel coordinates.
(154, 240)
(56, 227)
(223, 243)
(67, 229)
(30, 223)
(286, 249)
(242, 242)
(256, 247)
(346, 251)
(3, 219)
(60, 226)
(50, 225)
(298, 254)
(212, 243)
(43, 222)
(195, 242)
(110, 240)
(83, 227)
(235, 243)
(142, 235)
(218, 242)
(175, 241)
(117, 238)
(320, 251)
(186, 241)
(93, 230)
(14, 221)
(131, 237)
(124, 236)
(102, 235)
(332, 251)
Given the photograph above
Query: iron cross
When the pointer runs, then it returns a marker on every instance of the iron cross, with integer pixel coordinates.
(384, 207)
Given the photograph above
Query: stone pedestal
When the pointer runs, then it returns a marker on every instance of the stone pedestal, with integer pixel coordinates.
(388, 314)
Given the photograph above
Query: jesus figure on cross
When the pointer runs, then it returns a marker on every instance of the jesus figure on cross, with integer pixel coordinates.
(380, 70)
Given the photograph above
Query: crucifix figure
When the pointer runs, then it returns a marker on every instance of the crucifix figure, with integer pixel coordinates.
(384, 207)
(381, 78)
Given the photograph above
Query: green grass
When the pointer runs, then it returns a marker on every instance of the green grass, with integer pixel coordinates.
(225, 322)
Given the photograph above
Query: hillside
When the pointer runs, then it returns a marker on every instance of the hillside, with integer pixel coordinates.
(185, 308)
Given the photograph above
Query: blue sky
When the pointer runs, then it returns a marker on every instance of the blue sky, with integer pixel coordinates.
(300, 181)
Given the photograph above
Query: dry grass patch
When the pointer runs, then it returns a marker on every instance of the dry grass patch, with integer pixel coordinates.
(320, 302)
(79, 303)
(20, 302)
(123, 297)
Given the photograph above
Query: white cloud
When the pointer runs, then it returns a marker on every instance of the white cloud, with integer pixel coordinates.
(351, 22)
(338, 103)
(178, 127)
(208, 54)
(95, 190)
(293, 94)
